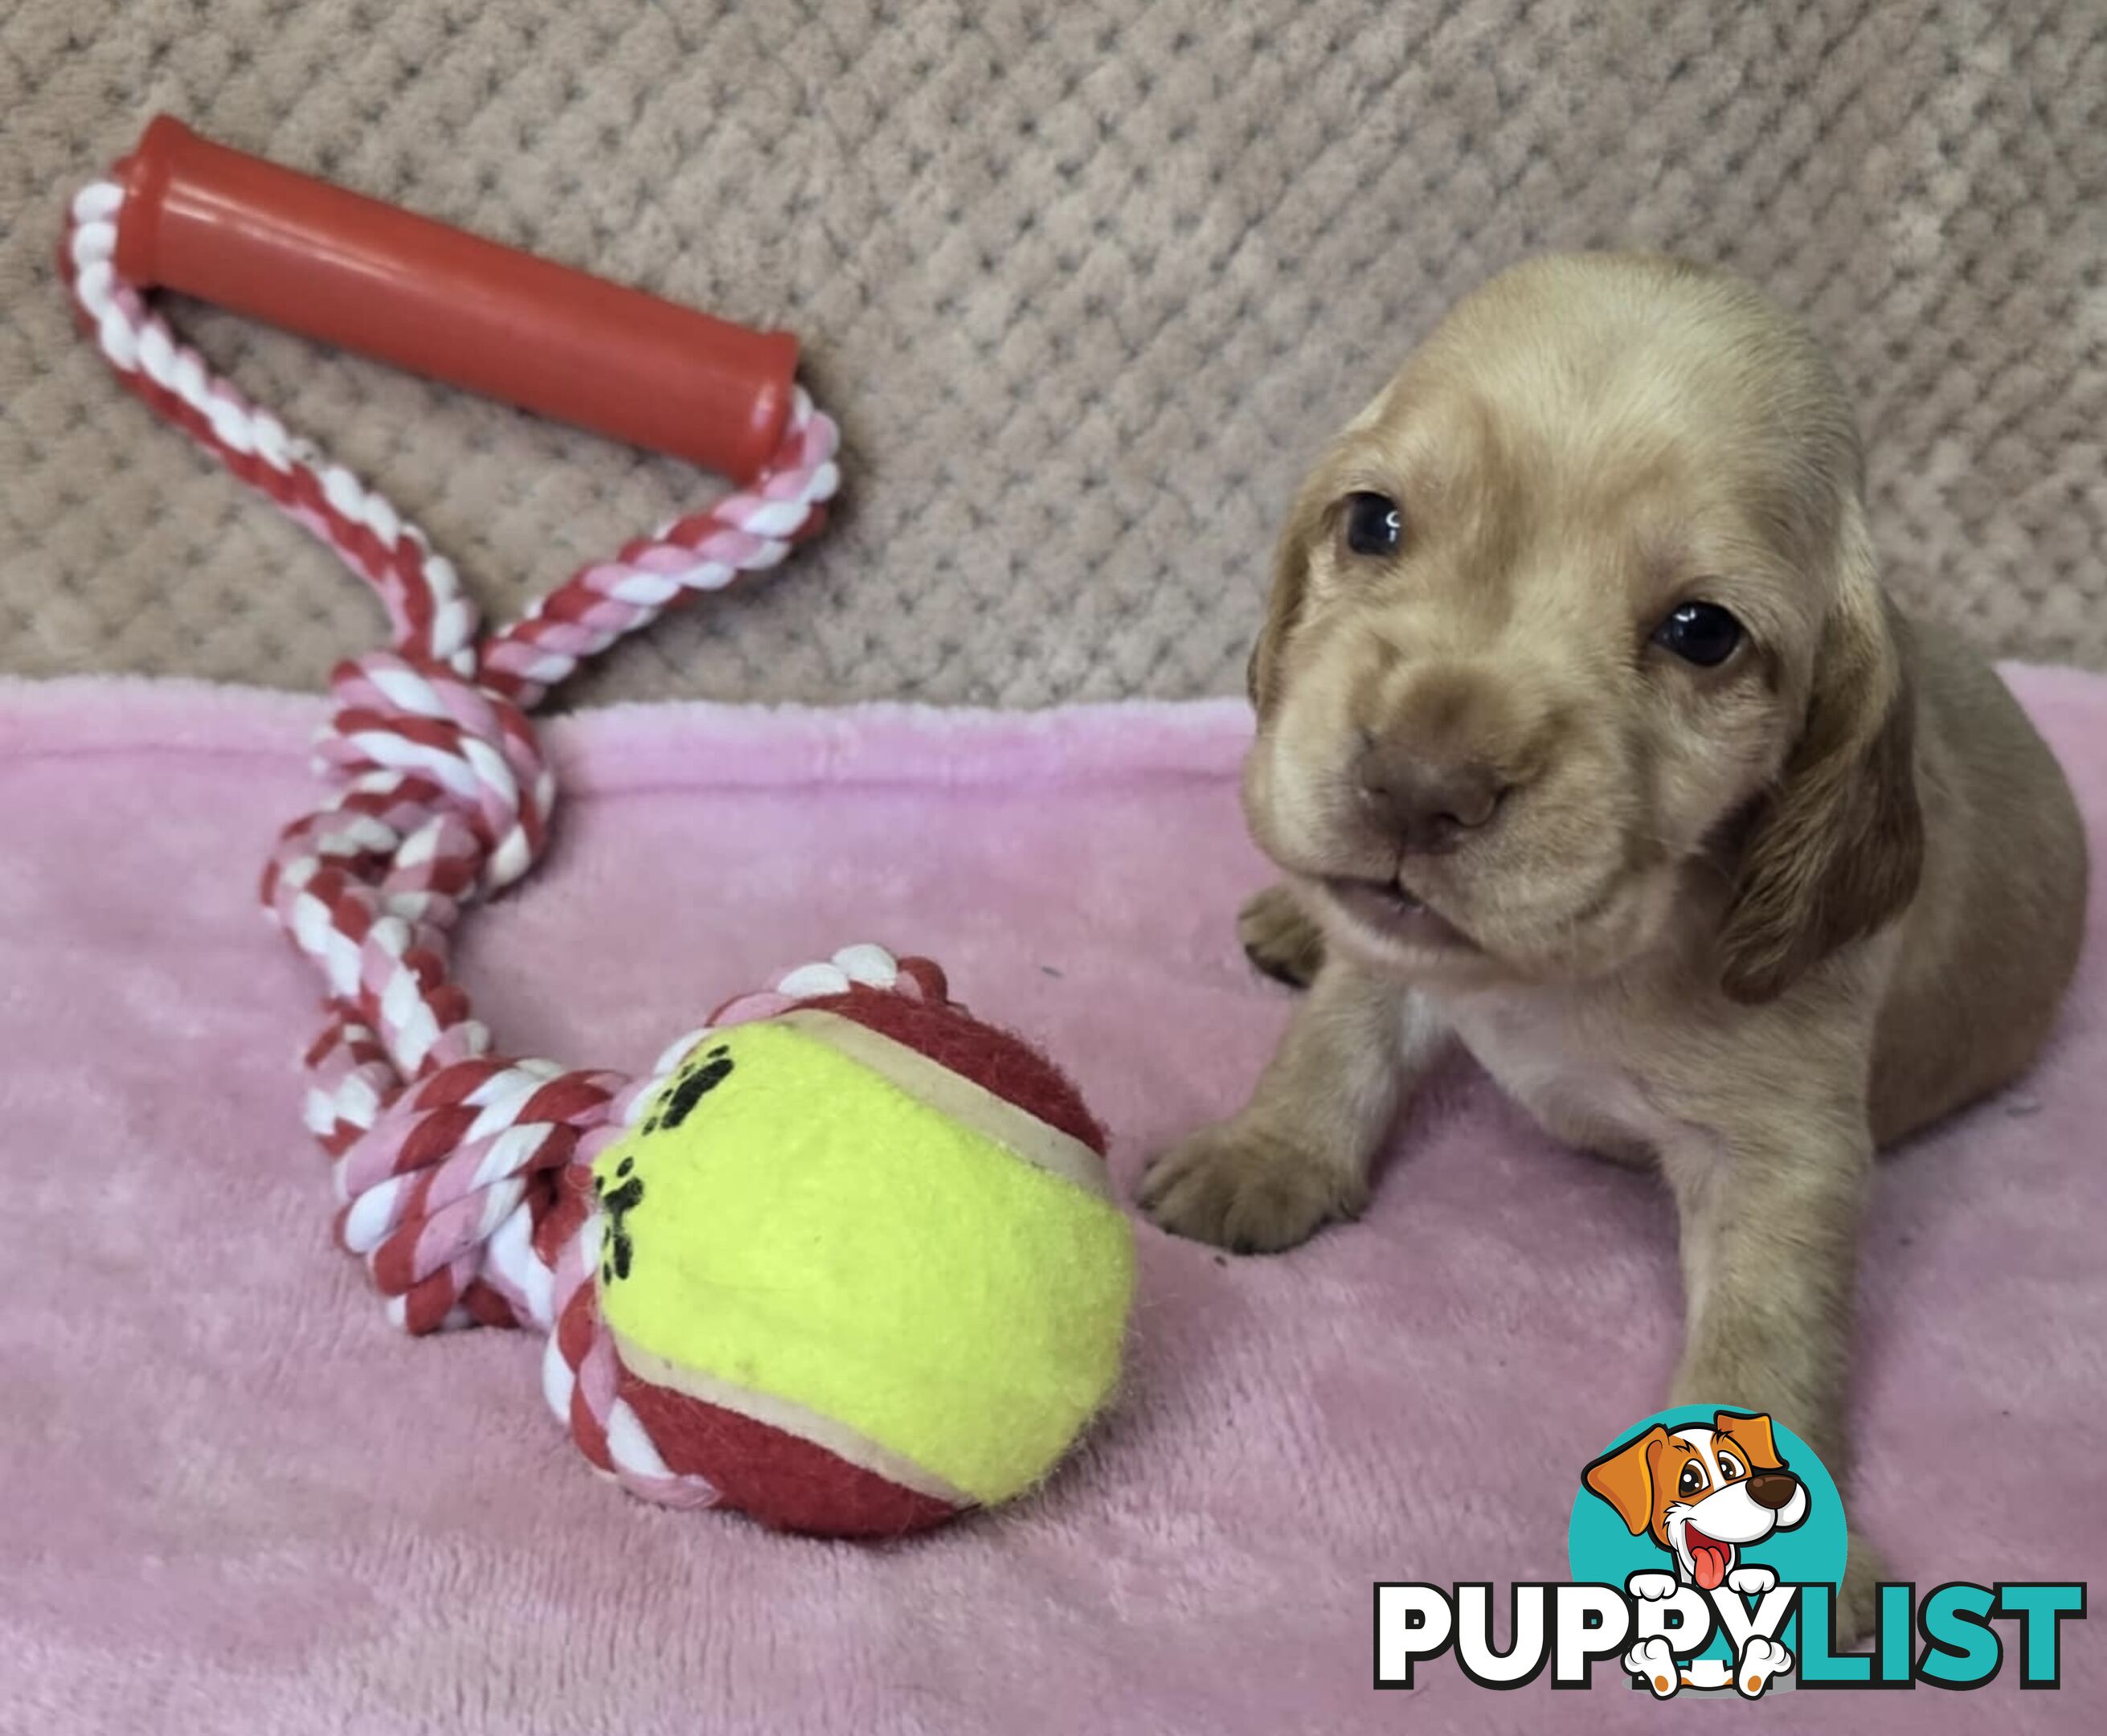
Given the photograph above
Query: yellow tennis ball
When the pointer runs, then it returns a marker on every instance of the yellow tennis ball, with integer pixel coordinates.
(861, 1264)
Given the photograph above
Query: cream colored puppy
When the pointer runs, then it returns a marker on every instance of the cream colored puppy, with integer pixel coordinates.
(1587, 736)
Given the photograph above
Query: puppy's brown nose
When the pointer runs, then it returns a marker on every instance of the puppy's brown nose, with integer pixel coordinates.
(1427, 804)
(1773, 1489)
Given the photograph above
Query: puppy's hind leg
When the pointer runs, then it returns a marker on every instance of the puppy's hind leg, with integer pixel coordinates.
(1279, 938)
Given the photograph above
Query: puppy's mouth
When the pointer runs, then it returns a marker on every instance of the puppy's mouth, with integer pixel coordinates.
(1386, 906)
(1709, 1559)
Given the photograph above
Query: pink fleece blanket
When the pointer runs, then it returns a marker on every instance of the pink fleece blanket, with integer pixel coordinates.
(235, 1500)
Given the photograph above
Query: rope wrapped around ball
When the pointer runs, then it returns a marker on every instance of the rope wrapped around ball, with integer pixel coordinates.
(462, 1176)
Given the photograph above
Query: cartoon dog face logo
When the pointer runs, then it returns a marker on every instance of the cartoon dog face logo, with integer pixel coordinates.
(1703, 1492)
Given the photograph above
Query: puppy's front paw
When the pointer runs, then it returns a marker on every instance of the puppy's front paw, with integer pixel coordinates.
(1654, 1663)
(1279, 938)
(1245, 1189)
(1652, 1587)
(1751, 1581)
(1760, 1660)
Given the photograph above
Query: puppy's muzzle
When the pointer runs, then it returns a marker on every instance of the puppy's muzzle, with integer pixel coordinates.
(1425, 804)
(1440, 751)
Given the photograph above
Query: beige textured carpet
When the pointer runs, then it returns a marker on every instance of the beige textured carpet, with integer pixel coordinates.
(1085, 282)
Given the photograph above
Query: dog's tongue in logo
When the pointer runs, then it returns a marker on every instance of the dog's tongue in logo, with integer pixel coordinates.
(1708, 1560)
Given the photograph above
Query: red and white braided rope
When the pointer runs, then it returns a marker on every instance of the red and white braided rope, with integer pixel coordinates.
(462, 1178)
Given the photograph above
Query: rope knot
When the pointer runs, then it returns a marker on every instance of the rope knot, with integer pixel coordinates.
(401, 717)
(450, 1196)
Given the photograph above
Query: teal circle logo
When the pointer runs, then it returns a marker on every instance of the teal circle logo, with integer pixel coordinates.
(1641, 1506)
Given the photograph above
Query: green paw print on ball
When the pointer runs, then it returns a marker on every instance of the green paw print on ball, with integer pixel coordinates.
(623, 1193)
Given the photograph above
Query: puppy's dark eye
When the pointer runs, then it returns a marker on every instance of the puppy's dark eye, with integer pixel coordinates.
(1374, 524)
(1692, 1479)
(1730, 1467)
(1702, 633)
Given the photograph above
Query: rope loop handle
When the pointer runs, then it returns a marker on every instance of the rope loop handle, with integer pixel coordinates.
(461, 1177)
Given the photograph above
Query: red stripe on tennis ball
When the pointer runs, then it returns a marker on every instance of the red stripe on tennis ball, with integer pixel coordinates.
(1002, 1065)
(768, 1474)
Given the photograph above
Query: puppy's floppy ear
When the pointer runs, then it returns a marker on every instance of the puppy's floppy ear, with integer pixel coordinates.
(1836, 845)
(1752, 1435)
(1291, 583)
(1625, 1479)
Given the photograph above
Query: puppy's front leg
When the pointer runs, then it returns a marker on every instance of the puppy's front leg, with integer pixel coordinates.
(1770, 1250)
(1770, 1220)
(1299, 1153)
